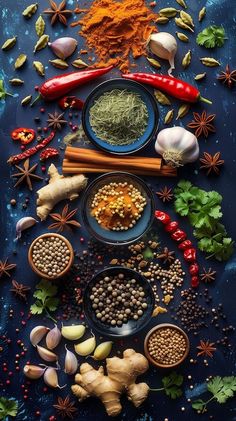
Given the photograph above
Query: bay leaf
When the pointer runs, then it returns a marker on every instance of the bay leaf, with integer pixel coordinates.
(154, 62)
(168, 12)
(30, 10)
(209, 61)
(169, 117)
(80, 64)
(20, 61)
(182, 37)
(39, 67)
(202, 14)
(40, 26)
(9, 43)
(26, 100)
(187, 59)
(41, 43)
(161, 98)
(183, 110)
(59, 63)
(200, 76)
(16, 82)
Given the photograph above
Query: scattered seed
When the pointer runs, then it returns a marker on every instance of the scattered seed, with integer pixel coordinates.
(182, 3)
(41, 43)
(20, 61)
(162, 20)
(179, 22)
(59, 63)
(16, 82)
(186, 18)
(182, 37)
(169, 117)
(39, 67)
(40, 26)
(161, 98)
(80, 64)
(8, 44)
(200, 76)
(26, 100)
(202, 14)
(183, 110)
(187, 59)
(154, 62)
(30, 10)
(209, 61)
(168, 12)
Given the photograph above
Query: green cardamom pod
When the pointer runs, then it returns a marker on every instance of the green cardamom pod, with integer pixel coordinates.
(162, 20)
(26, 100)
(30, 10)
(202, 14)
(8, 44)
(209, 61)
(168, 12)
(161, 98)
(182, 3)
(16, 82)
(186, 18)
(200, 76)
(59, 63)
(39, 67)
(80, 64)
(179, 22)
(20, 61)
(41, 43)
(169, 117)
(187, 59)
(182, 37)
(40, 26)
(183, 110)
(154, 62)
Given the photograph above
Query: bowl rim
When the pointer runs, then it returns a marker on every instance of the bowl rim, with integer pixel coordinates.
(36, 270)
(129, 83)
(134, 274)
(93, 183)
(160, 326)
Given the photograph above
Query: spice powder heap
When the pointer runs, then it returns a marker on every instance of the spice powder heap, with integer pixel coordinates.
(116, 29)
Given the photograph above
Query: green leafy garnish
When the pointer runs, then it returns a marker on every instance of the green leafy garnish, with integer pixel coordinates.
(213, 36)
(221, 388)
(46, 301)
(171, 385)
(204, 212)
(8, 407)
(3, 93)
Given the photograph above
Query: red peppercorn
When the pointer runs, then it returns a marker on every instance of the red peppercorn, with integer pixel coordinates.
(179, 235)
(42, 110)
(194, 269)
(43, 169)
(37, 413)
(5, 369)
(81, 239)
(171, 227)
(194, 281)
(25, 397)
(8, 381)
(163, 217)
(36, 88)
(190, 255)
(185, 245)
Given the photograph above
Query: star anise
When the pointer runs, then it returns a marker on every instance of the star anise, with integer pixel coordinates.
(64, 219)
(65, 408)
(227, 77)
(208, 275)
(206, 348)
(165, 194)
(56, 120)
(202, 124)
(26, 173)
(5, 267)
(19, 290)
(211, 162)
(58, 12)
(166, 255)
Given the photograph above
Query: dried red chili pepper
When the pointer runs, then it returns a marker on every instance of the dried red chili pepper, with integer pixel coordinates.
(171, 227)
(163, 217)
(48, 153)
(194, 281)
(190, 255)
(70, 102)
(185, 245)
(193, 269)
(23, 134)
(16, 158)
(179, 235)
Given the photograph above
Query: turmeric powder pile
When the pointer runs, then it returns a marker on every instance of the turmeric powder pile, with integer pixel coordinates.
(114, 29)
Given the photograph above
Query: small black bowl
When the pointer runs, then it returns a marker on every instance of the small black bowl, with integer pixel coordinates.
(132, 326)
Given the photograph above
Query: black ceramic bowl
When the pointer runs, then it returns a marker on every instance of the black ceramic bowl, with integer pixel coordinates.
(132, 326)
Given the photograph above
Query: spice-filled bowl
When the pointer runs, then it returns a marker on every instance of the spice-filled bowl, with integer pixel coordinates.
(118, 302)
(120, 116)
(166, 345)
(50, 256)
(118, 208)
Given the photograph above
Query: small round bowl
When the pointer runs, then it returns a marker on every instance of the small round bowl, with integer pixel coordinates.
(148, 99)
(42, 274)
(117, 237)
(158, 327)
(132, 326)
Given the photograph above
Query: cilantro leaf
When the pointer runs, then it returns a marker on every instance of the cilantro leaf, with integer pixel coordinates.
(52, 303)
(172, 385)
(3, 92)
(8, 407)
(199, 405)
(37, 308)
(213, 36)
(46, 301)
(222, 388)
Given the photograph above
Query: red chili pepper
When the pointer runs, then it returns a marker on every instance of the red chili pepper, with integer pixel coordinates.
(190, 255)
(163, 217)
(193, 269)
(23, 134)
(48, 153)
(170, 85)
(70, 102)
(194, 281)
(171, 227)
(16, 158)
(179, 235)
(185, 245)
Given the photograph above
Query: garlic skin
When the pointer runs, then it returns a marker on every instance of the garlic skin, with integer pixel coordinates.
(51, 378)
(164, 45)
(177, 146)
(23, 224)
(71, 363)
(33, 371)
(63, 47)
(53, 338)
(37, 334)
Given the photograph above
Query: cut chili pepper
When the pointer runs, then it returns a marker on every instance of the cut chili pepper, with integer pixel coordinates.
(163, 217)
(171, 227)
(48, 153)
(185, 245)
(23, 134)
(194, 269)
(16, 158)
(194, 281)
(70, 102)
(190, 255)
(179, 235)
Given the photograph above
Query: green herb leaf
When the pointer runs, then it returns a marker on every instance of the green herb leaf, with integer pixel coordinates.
(213, 36)
(199, 405)
(46, 301)
(3, 92)
(8, 407)
(172, 385)
(222, 388)
(37, 308)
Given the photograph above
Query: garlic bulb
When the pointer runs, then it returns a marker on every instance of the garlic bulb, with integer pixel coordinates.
(177, 146)
(164, 45)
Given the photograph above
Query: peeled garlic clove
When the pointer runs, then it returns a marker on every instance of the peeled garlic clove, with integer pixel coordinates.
(87, 347)
(37, 334)
(72, 333)
(164, 45)
(103, 350)
(71, 363)
(51, 378)
(46, 355)
(53, 338)
(33, 371)
(23, 224)
(63, 47)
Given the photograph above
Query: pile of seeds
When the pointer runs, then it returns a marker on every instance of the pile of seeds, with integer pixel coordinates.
(167, 345)
(50, 255)
(116, 300)
(192, 315)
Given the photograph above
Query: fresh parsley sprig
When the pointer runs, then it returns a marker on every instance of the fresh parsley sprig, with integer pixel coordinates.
(8, 407)
(171, 385)
(213, 36)
(3, 92)
(46, 301)
(221, 388)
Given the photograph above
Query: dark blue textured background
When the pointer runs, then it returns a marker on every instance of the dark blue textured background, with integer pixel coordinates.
(157, 407)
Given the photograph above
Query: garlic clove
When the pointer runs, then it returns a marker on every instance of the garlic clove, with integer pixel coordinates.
(37, 334)
(23, 224)
(46, 355)
(33, 371)
(103, 350)
(163, 45)
(51, 378)
(73, 332)
(53, 338)
(86, 347)
(63, 47)
(71, 363)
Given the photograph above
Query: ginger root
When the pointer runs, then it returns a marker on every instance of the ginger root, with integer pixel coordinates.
(121, 376)
(59, 188)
